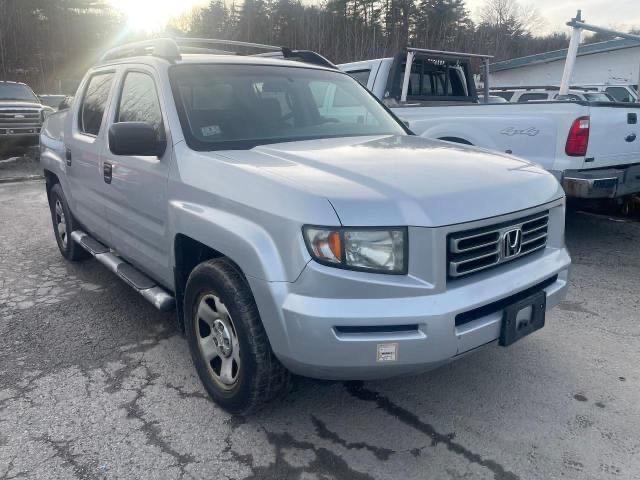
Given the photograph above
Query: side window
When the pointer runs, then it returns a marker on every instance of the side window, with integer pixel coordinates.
(619, 93)
(94, 103)
(139, 100)
(361, 75)
(527, 97)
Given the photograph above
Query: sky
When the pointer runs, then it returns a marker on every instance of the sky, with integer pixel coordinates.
(618, 14)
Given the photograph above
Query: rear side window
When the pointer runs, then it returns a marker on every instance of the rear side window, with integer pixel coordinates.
(527, 97)
(95, 102)
(361, 75)
(139, 100)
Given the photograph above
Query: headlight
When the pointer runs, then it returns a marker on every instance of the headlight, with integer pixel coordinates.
(381, 250)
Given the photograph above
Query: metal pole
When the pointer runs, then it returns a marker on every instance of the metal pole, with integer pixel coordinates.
(594, 28)
(572, 53)
(486, 80)
(407, 74)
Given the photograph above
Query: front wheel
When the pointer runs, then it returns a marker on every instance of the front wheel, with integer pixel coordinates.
(63, 225)
(227, 340)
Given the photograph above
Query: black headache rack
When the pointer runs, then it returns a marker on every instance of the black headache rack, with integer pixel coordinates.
(423, 61)
(172, 49)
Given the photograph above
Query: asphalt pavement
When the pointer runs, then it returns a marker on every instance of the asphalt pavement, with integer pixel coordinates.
(95, 383)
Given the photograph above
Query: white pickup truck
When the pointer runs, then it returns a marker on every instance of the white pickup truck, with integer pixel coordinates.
(593, 148)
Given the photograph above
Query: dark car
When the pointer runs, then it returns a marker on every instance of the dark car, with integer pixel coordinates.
(21, 116)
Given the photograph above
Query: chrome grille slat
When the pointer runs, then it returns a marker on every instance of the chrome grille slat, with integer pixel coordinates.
(473, 250)
(478, 257)
(543, 245)
(530, 240)
(456, 249)
(531, 230)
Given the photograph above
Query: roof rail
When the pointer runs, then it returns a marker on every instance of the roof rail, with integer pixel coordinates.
(444, 53)
(166, 48)
(172, 48)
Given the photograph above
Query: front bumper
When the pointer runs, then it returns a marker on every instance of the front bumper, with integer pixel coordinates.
(329, 323)
(21, 136)
(602, 183)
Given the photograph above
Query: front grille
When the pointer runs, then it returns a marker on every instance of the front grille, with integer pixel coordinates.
(20, 119)
(473, 250)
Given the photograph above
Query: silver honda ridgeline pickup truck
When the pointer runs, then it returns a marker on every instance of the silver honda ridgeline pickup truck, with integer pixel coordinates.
(292, 234)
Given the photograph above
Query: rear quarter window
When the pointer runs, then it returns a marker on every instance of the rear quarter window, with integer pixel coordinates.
(361, 76)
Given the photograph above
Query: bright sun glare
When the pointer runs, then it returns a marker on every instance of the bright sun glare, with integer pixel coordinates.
(152, 15)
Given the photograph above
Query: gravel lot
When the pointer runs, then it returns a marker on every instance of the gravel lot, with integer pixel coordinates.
(21, 166)
(94, 383)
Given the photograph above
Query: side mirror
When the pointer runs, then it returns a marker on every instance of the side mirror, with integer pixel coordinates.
(136, 139)
(65, 104)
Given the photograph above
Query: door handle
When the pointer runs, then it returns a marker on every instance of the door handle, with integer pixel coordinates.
(68, 157)
(107, 170)
(631, 137)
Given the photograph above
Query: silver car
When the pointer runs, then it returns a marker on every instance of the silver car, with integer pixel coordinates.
(292, 236)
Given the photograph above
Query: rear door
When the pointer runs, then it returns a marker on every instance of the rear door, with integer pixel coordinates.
(614, 135)
(84, 140)
(137, 192)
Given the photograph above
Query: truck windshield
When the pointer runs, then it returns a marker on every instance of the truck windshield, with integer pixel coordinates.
(17, 91)
(242, 106)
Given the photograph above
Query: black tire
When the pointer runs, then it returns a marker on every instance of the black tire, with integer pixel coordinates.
(68, 248)
(260, 377)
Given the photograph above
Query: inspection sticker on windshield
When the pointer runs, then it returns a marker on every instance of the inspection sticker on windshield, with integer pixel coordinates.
(387, 352)
(211, 130)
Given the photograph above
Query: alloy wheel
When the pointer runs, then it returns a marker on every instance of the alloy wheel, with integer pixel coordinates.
(218, 341)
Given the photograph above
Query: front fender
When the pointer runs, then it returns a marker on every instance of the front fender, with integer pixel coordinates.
(254, 249)
(53, 151)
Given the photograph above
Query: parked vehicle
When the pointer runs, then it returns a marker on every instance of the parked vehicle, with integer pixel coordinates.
(592, 148)
(52, 101)
(292, 234)
(21, 116)
(492, 99)
(537, 94)
(620, 92)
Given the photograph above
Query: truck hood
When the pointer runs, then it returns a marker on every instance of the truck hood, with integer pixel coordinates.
(406, 180)
(18, 104)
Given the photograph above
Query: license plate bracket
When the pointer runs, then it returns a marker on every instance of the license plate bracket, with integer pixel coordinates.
(523, 317)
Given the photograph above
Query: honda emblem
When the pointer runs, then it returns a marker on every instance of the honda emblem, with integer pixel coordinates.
(512, 243)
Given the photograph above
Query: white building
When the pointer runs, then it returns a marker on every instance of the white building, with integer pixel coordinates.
(610, 62)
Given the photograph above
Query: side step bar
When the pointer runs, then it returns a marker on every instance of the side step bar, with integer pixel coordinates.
(145, 286)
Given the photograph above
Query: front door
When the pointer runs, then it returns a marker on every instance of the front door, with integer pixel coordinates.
(137, 200)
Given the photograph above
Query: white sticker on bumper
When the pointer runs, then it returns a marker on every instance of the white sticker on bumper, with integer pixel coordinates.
(387, 352)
